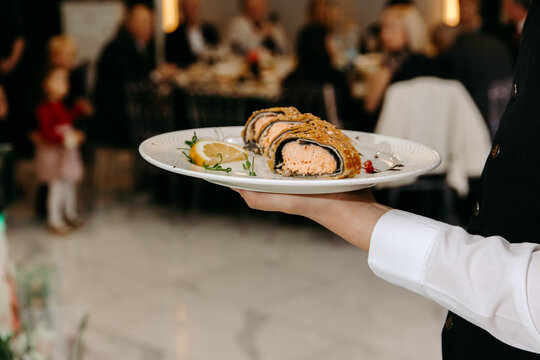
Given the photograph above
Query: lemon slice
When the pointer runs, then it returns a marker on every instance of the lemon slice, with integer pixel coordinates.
(212, 152)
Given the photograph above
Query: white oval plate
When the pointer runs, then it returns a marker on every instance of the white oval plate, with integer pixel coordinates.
(396, 159)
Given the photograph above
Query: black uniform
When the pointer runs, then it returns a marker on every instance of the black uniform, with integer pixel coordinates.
(509, 203)
(121, 63)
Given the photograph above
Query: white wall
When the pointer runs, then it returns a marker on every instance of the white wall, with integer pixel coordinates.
(293, 12)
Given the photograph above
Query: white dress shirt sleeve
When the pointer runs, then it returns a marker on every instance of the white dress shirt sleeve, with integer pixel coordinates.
(488, 281)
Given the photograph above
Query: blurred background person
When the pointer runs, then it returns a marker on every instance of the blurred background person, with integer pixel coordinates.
(58, 160)
(477, 58)
(470, 19)
(127, 58)
(4, 108)
(315, 68)
(12, 42)
(370, 39)
(62, 53)
(405, 42)
(318, 12)
(12, 45)
(443, 37)
(192, 38)
(515, 12)
(390, 3)
(253, 29)
(3, 105)
(342, 34)
(27, 25)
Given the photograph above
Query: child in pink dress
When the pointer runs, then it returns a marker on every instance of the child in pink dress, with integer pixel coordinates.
(58, 158)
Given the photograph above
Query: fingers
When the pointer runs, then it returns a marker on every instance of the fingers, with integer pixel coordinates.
(262, 201)
(297, 204)
(290, 204)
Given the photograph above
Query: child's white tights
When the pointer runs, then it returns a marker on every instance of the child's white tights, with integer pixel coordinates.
(61, 202)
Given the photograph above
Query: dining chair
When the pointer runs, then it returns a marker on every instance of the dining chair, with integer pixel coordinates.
(442, 115)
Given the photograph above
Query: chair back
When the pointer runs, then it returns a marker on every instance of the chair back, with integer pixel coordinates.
(442, 115)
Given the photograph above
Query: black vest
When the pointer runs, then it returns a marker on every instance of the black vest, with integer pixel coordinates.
(509, 204)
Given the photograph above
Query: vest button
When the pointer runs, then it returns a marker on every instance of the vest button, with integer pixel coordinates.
(449, 323)
(514, 91)
(495, 151)
(476, 209)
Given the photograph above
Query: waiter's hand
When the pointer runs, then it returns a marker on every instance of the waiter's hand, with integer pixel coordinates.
(352, 215)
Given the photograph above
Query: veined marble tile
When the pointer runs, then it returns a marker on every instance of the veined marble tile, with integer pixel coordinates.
(104, 345)
(257, 282)
(372, 317)
(188, 325)
(159, 286)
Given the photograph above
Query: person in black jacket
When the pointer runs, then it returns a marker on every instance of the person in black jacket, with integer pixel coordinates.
(127, 59)
(12, 48)
(477, 60)
(315, 69)
(490, 275)
(189, 41)
(516, 13)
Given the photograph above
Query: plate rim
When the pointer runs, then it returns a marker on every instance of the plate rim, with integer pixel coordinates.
(296, 182)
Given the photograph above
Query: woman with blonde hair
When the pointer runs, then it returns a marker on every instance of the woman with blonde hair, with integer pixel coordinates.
(405, 43)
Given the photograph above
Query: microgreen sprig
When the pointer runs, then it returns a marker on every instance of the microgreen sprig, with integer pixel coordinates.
(182, 150)
(249, 165)
(194, 139)
(218, 167)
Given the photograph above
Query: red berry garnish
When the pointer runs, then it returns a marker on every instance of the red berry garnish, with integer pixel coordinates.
(368, 166)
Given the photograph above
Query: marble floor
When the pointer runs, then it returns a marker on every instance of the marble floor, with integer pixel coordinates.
(163, 285)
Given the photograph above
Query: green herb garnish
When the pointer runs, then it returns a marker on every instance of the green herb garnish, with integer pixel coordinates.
(186, 155)
(249, 165)
(194, 139)
(218, 167)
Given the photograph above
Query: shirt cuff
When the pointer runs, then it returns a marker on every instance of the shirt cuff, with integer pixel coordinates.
(400, 246)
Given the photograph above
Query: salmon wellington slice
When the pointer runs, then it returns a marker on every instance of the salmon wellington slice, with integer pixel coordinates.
(301, 144)
(315, 148)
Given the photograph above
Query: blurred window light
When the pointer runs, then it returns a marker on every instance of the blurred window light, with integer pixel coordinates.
(451, 12)
(170, 15)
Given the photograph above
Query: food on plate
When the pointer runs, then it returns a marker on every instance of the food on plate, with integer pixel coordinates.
(302, 145)
(315, 148)
(259, 119)
(212, 152)
(276, 127)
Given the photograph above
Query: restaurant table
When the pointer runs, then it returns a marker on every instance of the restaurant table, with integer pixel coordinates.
(226, 92)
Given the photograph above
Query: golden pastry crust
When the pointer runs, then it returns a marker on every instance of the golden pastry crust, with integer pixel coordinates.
(268, 131)
(248, 133)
